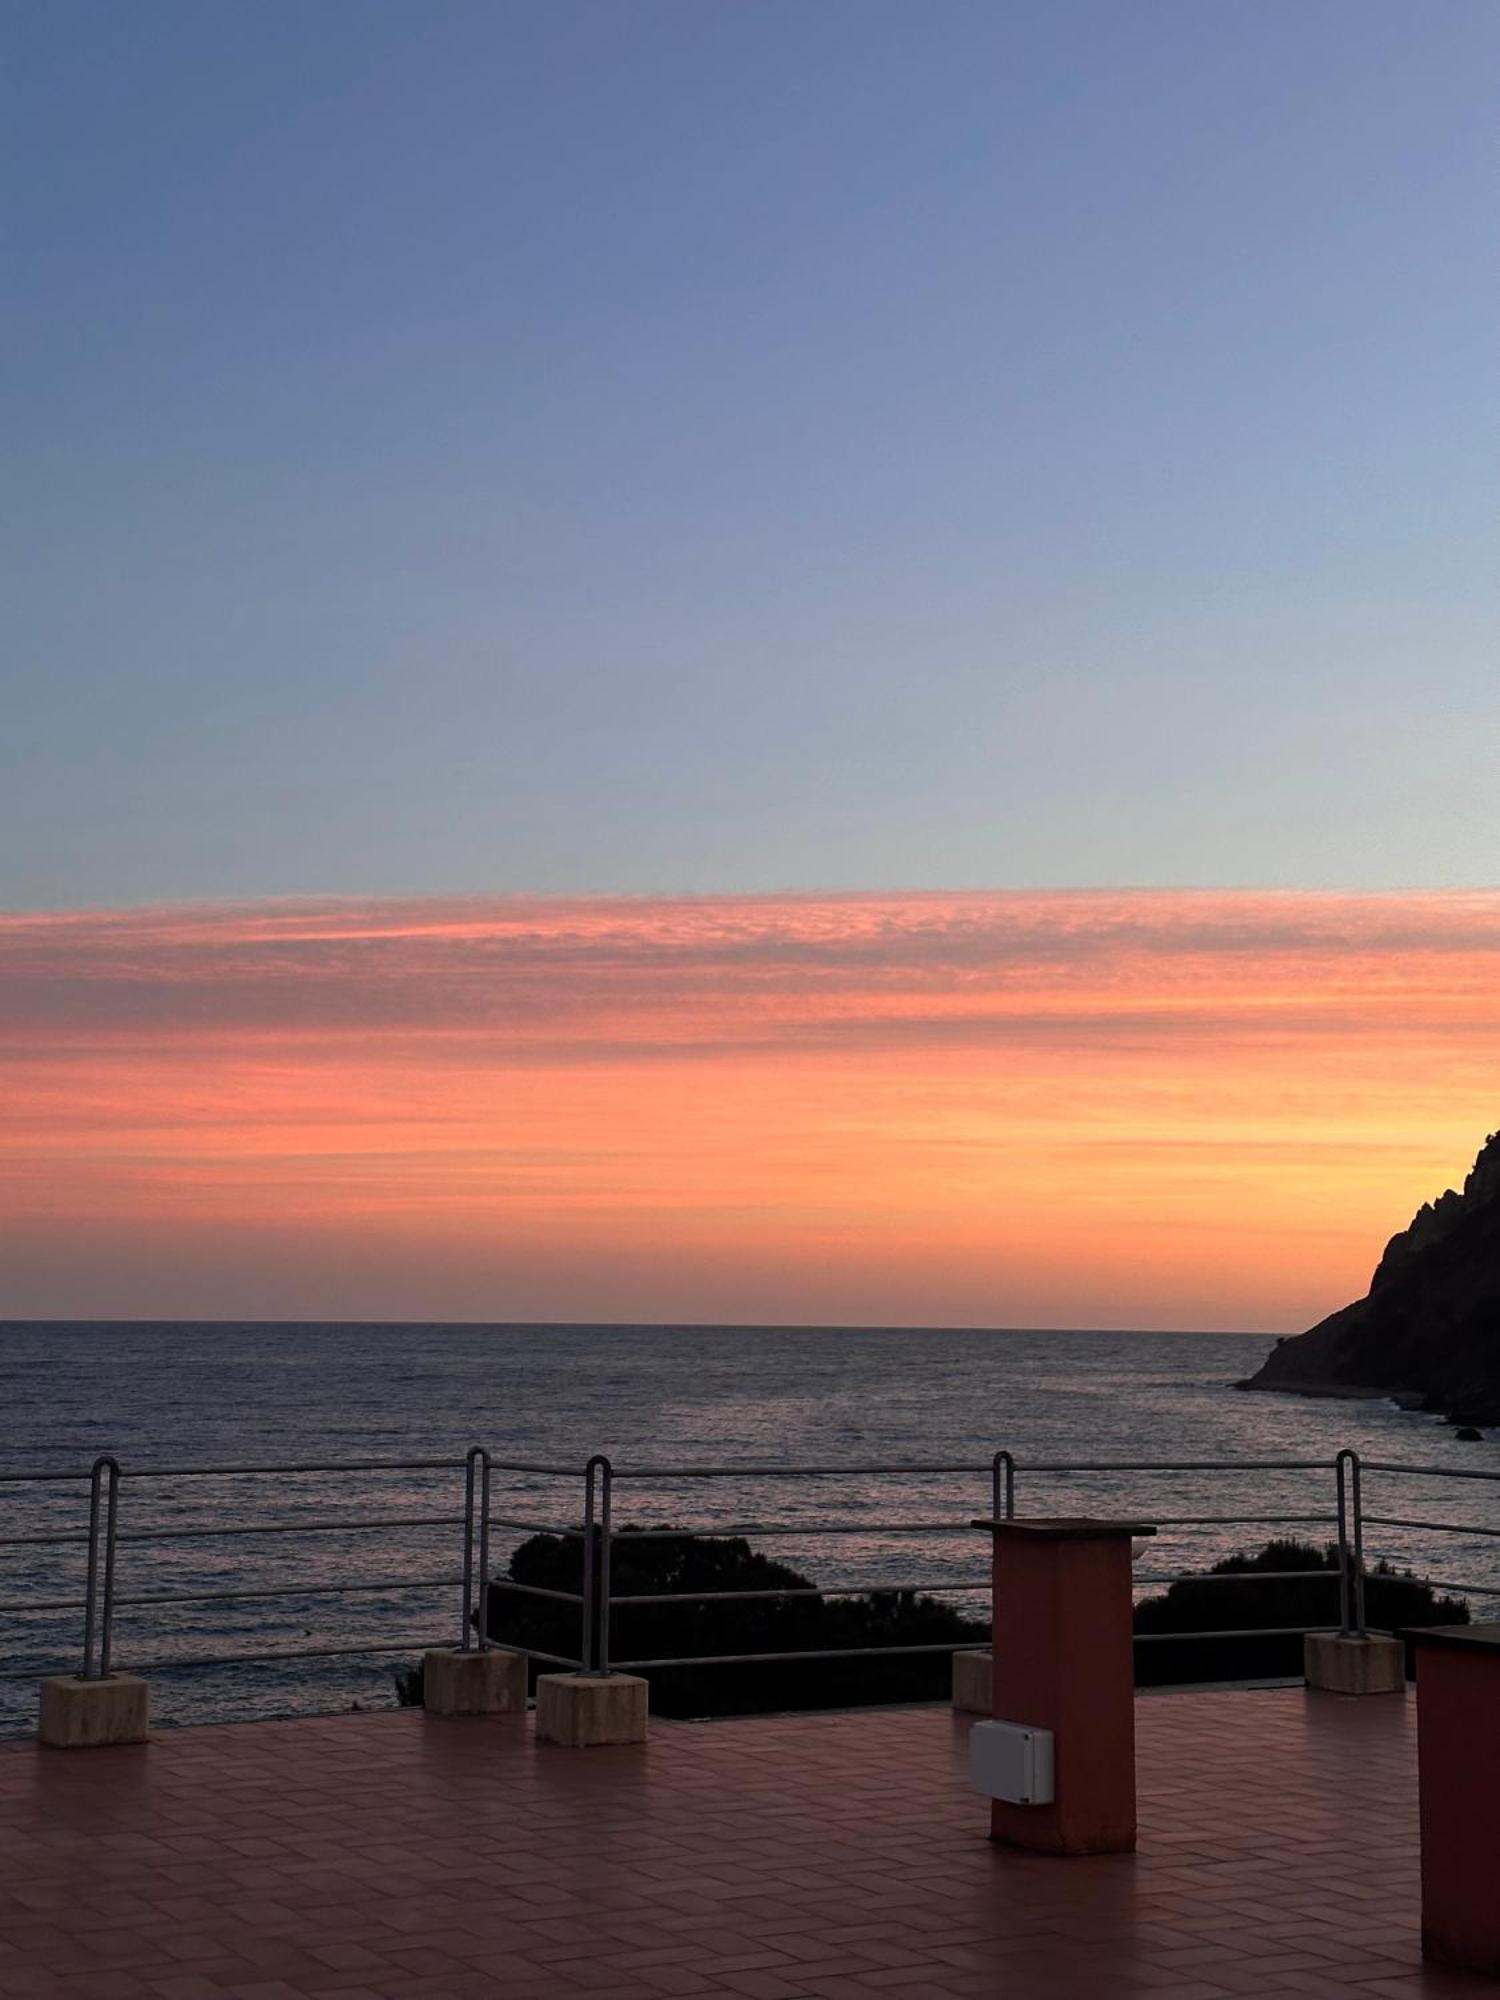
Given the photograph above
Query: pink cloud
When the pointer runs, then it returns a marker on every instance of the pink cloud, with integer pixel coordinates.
(1001, 1097)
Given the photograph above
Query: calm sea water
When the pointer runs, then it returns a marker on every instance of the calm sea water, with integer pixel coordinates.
(223, 1394)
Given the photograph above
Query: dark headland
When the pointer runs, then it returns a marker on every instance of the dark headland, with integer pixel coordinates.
(1428, 1330)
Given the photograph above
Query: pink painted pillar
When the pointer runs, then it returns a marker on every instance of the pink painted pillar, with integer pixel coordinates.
(1458, 1759)
(1064, 1661)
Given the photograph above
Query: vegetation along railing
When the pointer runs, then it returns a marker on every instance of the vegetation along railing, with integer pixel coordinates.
(131, 1527)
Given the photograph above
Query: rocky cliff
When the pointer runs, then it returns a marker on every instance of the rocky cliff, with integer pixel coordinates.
(1429, 1326)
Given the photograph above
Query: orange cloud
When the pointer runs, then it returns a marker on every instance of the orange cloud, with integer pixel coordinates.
(1123, 1108)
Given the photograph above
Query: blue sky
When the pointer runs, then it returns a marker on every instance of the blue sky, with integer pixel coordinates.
(698, 447)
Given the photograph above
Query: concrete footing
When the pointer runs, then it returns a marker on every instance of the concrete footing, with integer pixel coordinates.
(82, 1715)
(972, 1678)
(492, 1682)
(581, 1710)
(1340, 1663)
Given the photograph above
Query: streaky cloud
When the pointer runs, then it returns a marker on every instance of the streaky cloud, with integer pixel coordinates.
(1058, 1108)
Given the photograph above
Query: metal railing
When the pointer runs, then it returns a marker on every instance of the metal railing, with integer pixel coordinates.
(107, 1544)
(112, 1545)
(1345, 1517)
(1001, 1477)
(1348, 1520)
(609, 1536)
(38, 1486)
(1424, 1524)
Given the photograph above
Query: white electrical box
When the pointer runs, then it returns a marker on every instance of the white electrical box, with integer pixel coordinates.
(1008, 1760)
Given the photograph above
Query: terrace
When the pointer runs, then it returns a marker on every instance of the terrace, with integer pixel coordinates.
(402, 1857)
(401, 1854)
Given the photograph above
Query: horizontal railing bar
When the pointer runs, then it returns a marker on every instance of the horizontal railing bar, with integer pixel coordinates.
(522, 1465)
(1451, 1583)
(810, 1590)
(939, 1584)
(294, 1590)
(536, 1527)
(1427, 1471)
(176, 1662)
(1233, 1632)
(1226, 1520)
(912, 1468)
(784, 1471)
(326, 1528)
(698, 1472)
(536, 1653)
(1237, 1576)
(1442, 1527)
(453, 1464)
(822, 1653)
(295, 1528)
(57, 1604)
(43, 1478)
(975, 1466)
(959, 1525)
(37, 1541)
(535, 1590)
(1028, 1465)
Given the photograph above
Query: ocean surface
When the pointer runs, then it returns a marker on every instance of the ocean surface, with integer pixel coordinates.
(214, 1395)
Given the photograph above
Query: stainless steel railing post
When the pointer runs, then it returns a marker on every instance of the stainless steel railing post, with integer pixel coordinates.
(1345, 1591)
(465, 1637)
(1003, 1486)
(586, 1634)
(484, 1552)
(1351, 1545)
(606, 1495)
(91, 1577)
(111, 1540)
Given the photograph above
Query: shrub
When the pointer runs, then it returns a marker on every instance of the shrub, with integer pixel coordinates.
(675, 1564)
(683, 1562)
(1392, 1598)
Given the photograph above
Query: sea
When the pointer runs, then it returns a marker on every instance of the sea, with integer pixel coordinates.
(794, 1434)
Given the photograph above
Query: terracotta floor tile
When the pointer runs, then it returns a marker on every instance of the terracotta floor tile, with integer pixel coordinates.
(833, 1857)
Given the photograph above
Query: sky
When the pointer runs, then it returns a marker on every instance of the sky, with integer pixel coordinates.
(1128, 1108)
(794, 661)
(664, 448)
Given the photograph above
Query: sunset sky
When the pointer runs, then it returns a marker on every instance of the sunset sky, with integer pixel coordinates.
(1187, 1110)
(601, 585)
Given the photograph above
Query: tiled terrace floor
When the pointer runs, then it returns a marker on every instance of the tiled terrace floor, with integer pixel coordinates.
(385, 1857)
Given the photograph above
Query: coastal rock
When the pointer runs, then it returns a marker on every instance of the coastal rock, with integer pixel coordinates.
(1427, 1333)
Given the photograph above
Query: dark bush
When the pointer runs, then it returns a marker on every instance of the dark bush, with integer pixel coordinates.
(693, 1628)
(664, 1565)
(1392, 1598)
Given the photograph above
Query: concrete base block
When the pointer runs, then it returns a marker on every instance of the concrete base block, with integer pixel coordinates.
(584, 1709)
(81, 1715)
(1347, 1665)
(492, 1682)
(971, 1683)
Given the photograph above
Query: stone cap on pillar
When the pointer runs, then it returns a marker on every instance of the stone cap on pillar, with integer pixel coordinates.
(1455, 1638)
(1073, 1528)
